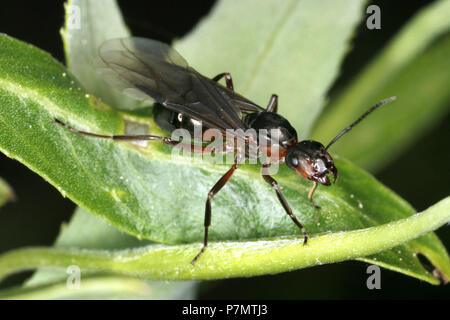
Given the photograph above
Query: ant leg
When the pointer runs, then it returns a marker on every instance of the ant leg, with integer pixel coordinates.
(228, 79)
(310, 195)
(165, 140)
(285, 204)
(219, 184)
(116, 137)
(175, 143)
(273, 104)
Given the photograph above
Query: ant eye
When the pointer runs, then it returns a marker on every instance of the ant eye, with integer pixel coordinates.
(294, 162)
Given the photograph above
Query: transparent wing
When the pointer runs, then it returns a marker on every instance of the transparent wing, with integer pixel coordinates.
(240, 102)
(131, 64)
(150, 70)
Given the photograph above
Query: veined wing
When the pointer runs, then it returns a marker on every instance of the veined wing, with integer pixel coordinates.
(241, 102)
(150, 70)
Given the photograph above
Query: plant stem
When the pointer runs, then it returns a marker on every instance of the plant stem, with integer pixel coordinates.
(234, 259)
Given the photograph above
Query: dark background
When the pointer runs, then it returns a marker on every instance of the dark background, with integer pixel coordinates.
(36, 217)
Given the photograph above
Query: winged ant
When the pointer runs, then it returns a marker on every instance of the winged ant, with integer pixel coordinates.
(147, 68)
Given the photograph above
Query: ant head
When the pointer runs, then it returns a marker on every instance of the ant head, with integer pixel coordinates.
(311, 160)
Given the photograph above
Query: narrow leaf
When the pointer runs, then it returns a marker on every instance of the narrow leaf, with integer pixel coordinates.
(96, 288)
(89, 232)
(236, 259)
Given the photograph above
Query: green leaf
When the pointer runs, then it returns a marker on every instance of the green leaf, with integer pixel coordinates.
(6, 192)
(236, 259)
(291, 48)
(89, 232)
(414, 67)
(87, 25)
(97, 288)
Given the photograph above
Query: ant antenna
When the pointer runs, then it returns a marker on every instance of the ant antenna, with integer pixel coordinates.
(379, 104)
